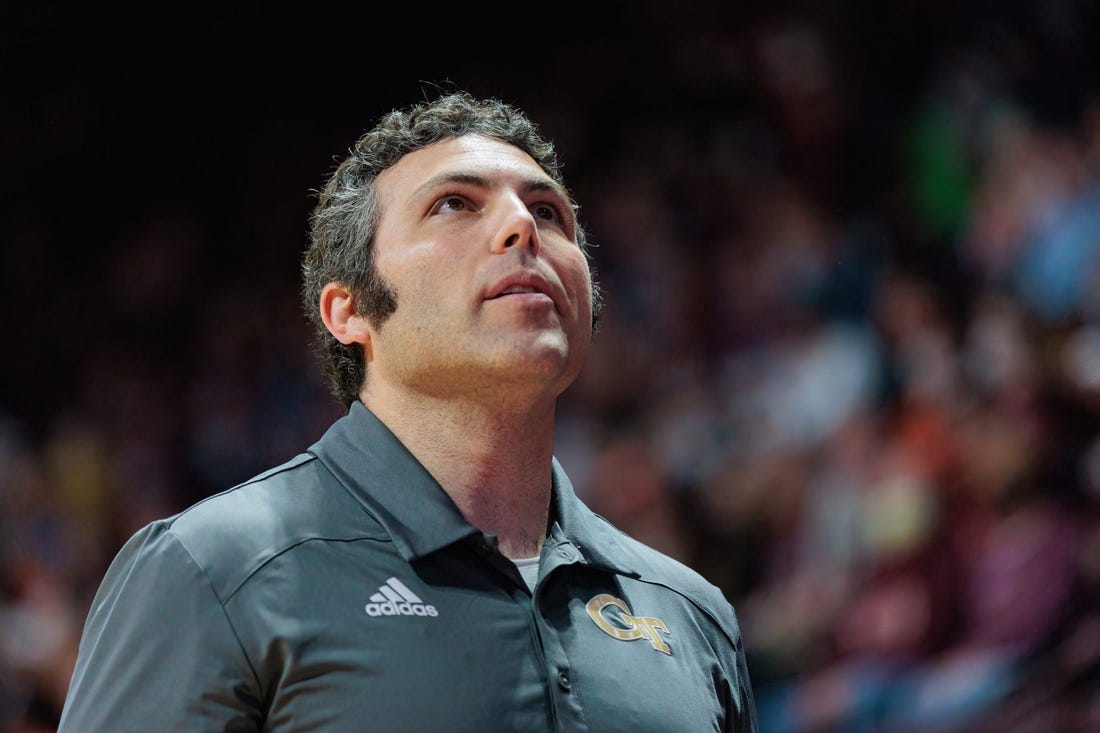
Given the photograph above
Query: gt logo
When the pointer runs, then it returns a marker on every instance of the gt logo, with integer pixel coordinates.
(632, 628)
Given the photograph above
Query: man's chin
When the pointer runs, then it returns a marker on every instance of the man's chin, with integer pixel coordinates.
(542, 360)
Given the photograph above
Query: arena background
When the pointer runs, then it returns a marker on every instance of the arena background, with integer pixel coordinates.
(850, 362)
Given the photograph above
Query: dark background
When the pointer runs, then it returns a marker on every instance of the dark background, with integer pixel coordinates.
(806, 215)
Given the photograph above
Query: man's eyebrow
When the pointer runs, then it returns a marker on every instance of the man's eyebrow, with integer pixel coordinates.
(474, 179)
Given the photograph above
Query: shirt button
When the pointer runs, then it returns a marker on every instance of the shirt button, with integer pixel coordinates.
(563, 680)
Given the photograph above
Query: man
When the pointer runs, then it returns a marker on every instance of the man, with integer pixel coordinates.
(426, 565)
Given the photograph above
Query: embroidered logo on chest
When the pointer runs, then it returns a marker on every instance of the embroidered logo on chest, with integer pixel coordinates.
(395, 599)
(613, 616)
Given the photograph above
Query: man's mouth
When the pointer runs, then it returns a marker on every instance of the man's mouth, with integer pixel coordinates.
(516, 289)
(522, 286)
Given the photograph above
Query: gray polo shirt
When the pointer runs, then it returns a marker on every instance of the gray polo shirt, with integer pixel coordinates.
(343, 591)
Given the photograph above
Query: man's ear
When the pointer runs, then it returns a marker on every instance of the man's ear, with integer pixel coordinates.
(342, 318)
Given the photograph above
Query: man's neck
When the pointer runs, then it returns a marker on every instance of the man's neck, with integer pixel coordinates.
(494, 462)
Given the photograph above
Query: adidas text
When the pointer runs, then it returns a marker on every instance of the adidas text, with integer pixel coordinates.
(389, 608)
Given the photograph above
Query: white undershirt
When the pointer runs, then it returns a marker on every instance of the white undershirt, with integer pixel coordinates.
(529, 569)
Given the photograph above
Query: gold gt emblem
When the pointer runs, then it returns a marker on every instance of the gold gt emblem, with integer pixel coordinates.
(632, 628)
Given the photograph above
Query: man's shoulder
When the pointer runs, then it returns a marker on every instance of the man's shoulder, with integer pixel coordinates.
(233, 534)
(661, 568)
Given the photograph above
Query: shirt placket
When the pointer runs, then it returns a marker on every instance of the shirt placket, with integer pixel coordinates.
(561, 680)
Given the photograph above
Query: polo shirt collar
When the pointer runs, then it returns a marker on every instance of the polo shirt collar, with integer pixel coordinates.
(391, 484)
(396, 489)
(574, 522)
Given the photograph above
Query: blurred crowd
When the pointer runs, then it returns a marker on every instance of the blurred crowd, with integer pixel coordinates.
(849, 367)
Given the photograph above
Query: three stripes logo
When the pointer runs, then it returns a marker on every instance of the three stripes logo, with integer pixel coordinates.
(395, 599)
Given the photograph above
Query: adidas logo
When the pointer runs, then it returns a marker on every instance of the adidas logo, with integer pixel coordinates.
(395, 599)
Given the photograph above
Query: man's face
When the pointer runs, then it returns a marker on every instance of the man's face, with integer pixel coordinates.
(493, 293)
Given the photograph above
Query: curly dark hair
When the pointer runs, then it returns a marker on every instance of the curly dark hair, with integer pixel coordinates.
(345, 218)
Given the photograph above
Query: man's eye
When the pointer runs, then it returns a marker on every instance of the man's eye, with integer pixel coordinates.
(453, 203)
(547, 212)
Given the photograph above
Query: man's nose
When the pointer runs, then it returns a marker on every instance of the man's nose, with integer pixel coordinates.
(517, 228)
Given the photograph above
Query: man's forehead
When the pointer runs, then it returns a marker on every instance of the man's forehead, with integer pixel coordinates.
(469, 155)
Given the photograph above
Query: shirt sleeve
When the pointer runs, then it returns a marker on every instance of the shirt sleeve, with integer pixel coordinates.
(158, 652)
(742, 703)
